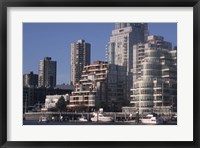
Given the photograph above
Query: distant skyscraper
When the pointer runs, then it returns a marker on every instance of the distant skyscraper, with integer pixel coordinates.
(80, 57)
(30, 79)
(47, 72)
(120, 46)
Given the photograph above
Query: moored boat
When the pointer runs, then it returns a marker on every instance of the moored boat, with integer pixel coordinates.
(101, 118)
(82, 119)
(43, 119)
(151, 119)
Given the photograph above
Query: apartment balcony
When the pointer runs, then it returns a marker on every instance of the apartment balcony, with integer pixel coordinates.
(83, 101)
(96, 70)
(83, 80)
(165, 76)
(157, 88)
(157, 101)
(165, 69)
(84, 75)
(87, 83)
(76, 105)
(76, 93)
(101, 73)
(133, 101)
(146, 107)
(101, 78)
(157, 95)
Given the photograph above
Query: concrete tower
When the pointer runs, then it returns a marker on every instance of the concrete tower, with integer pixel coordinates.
(80, 57)
(47, 73)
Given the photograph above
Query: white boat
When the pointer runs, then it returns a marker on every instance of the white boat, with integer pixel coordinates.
(150, 119)
(82, 119)
(101, 118)
(43, 119)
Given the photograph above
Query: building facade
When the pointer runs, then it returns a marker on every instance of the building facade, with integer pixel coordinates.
(120, 46)
(30, 79)
(80, 57)
(155, 77)
(34, 95)
(102, 85)
(47, 72)
(51, 100)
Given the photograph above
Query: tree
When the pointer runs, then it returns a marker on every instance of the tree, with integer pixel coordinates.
(61, 104)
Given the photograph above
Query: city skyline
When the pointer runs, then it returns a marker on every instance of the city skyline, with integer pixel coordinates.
(53, 40)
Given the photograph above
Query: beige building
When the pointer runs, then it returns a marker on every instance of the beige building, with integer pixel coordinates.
(102, 85)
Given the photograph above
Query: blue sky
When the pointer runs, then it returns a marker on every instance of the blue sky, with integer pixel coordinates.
(53, 39)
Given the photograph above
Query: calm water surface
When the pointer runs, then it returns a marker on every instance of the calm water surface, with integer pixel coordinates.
(31, 122)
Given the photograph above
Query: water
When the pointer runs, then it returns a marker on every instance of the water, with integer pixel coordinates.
(32, 122)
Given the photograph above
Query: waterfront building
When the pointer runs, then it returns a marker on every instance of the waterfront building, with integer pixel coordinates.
(155, 77)
(30, 79)
(51, 100)
(120, 46)
(80, 57)
(47, 73)
(34, 95)
(102, 85)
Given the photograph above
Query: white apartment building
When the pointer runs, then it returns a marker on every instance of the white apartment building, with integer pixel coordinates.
(155, 77)
(120, 46)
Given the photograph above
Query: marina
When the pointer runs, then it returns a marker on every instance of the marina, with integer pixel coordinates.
(33, 122)
(95, 118)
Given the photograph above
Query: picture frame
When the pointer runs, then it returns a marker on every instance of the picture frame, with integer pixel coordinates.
(195, 4)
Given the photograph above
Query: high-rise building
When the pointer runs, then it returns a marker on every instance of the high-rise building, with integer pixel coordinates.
(30, 79)
(155, 77)
(80, 57)
(47, 73)
(120, 46)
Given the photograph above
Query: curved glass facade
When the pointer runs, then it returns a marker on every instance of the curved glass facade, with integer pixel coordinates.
(155, 77)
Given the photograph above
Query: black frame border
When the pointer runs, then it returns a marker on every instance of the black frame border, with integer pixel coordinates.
(97, 3)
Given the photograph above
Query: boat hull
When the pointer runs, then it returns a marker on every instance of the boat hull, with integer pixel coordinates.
(147, 121)
(83, 120)
(150, 119)
(104, 119)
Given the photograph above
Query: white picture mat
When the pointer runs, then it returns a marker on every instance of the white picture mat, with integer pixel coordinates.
(19, 132)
